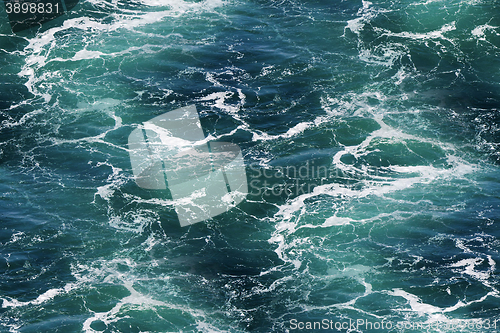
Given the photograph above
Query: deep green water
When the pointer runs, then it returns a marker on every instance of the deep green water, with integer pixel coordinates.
(370, 132)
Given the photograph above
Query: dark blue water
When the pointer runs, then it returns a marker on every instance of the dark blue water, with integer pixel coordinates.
(370, 133)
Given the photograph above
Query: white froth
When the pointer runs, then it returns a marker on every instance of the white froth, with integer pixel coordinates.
(86, 54)
(365, 13)
(104, 271)
(480, 31)
(46, 296)
(38, 51)
(336, 220)
(436, 34)
(415, 303)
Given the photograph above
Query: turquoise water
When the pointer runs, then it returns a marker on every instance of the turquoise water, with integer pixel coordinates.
(370, 133)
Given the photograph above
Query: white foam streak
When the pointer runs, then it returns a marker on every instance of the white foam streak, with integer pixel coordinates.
(378, 185)
(386, 54)
(469, 268)
(46, 296)
(415, 303)
(105, 271)
(479, 33)
(436, 34)
(366, 13)
(37, 52)
(220, 98)
(135, 299)
(292, 132)
(435, 313)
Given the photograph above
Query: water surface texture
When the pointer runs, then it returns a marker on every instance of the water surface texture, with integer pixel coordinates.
(370, 132)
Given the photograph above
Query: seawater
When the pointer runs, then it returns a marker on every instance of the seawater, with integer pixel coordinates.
(390, 109)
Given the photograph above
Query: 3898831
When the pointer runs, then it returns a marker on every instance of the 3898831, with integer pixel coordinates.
(27, 7)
